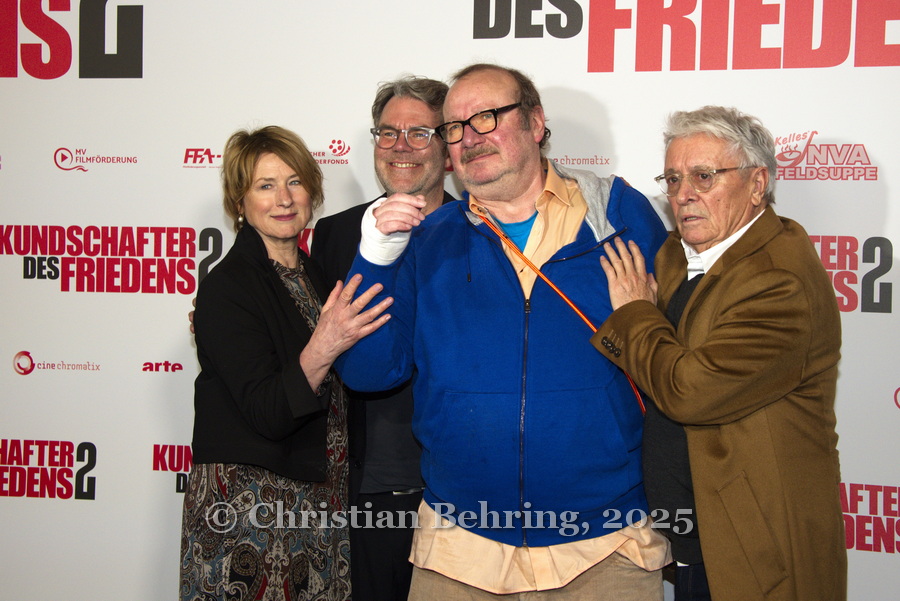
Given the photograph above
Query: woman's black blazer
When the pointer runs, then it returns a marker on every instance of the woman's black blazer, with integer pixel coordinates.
(252, 402)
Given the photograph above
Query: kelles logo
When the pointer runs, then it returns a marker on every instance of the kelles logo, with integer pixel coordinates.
(800, 159)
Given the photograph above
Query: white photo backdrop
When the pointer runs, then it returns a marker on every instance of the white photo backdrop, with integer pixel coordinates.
(113, 119)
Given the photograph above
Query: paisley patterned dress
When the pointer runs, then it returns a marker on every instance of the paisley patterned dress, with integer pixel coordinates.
(251, 534)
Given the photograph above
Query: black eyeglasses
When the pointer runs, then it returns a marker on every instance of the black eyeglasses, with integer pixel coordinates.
(701, 180)
(416, 137)
(481, 123)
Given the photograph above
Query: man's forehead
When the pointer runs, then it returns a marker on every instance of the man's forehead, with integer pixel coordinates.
(487, 86)
(405, 111)
(699, 150)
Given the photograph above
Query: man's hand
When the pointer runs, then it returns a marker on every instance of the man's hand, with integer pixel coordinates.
(191, 313)
(399, 213)
(627, 274)
(386, 227)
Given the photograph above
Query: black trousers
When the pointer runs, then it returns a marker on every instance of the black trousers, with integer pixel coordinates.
(379, 557)
(690, 583)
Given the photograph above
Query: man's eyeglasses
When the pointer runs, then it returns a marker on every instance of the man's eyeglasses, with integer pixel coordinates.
(481, 123)
(701, 180)
(416, 137)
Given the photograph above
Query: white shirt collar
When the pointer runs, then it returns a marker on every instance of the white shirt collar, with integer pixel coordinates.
(699, 263)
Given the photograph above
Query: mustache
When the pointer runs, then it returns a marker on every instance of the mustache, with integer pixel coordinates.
(474, 153)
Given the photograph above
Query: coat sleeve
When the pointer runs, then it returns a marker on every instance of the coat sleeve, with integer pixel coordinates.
(744, 349)
(238, 336)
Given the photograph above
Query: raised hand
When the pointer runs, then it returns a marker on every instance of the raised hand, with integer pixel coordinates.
(627, 274)
(399, 213)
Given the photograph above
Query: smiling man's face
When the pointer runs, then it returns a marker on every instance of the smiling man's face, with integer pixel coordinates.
(404, 169)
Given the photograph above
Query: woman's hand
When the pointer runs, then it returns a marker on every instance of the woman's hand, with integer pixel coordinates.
(341, 323)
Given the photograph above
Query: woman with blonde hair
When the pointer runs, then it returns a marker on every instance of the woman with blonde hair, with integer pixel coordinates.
(268, 486)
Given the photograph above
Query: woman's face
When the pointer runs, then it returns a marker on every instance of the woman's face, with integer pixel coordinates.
(276, 205)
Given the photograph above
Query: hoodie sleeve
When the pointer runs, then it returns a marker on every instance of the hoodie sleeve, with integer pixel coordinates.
(383, 360)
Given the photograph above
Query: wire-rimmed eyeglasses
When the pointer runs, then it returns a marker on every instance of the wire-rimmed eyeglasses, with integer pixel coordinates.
(701, 180)
(481, 123)
(416, 137)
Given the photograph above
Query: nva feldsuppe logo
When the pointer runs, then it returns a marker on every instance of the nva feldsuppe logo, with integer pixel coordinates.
(801, 159)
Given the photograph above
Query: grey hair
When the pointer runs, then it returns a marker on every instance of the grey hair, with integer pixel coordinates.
(745, 135)
(429, 91)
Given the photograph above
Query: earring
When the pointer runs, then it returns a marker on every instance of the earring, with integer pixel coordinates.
(241, 219)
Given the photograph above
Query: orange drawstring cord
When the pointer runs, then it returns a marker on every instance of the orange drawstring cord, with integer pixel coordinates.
(486, 218)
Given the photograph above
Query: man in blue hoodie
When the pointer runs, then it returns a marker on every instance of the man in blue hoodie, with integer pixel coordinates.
(530, 438)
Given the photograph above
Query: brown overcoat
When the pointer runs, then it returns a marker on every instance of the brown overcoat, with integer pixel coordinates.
(751, 373)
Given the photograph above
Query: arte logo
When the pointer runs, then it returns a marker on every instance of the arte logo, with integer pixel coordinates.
(702, 34)
(142, 259)
(52, 56)
(164, 366)
(201, 158)
(858, 288)
(68, 160)
(897, 398)
(871, 513)
(24, 364)
(174, 458)
(799, 159)
(45, 469)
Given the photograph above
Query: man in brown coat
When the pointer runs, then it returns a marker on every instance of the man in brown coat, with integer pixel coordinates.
(742, 360)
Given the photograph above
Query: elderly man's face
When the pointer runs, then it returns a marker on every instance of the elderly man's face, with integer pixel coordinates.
(488, 163)
(706, 218)
(405, 169)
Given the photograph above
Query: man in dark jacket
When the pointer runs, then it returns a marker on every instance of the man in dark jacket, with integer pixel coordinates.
(384, 456)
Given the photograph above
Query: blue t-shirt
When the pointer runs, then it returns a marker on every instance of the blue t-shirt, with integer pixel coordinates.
(519, 232)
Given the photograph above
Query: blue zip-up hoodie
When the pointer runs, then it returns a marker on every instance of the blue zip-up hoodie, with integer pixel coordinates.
(515, 410)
